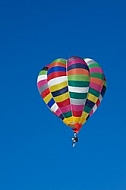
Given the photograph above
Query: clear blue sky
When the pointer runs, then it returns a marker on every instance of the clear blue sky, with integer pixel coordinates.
(35, 146)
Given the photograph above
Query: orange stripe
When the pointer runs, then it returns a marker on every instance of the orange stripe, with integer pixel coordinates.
(77, 127)
(57, 64)
(78, 71)
(96, 80)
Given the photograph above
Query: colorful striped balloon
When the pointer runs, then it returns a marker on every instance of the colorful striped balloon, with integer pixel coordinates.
(72, 89)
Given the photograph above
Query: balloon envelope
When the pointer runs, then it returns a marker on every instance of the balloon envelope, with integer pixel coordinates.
(72, 89)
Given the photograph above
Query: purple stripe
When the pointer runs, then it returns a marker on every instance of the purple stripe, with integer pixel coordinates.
(96, 70)
(75, 61)
(77, 107)
(95, 86)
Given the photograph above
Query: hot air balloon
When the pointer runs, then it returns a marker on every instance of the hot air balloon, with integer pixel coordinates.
(72, 89)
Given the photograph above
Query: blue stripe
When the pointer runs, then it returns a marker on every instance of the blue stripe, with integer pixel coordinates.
(61, 117)
(60, 92)
(78, 65)
(56, 69)
(103, 91)
(51, 102)
(89, 103)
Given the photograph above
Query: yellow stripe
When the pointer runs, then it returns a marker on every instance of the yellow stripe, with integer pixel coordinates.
(48, 98)
(68, 121)
(61, 97)
(83, 117)
(73, 120)
(58, 86)
(92, 98)
(76, 119)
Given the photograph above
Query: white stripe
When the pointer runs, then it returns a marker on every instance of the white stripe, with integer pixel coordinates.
(94, 108)
(78, 89)
(57, 80)
(41, 77)
(77, 101)
(89, 61)
(100, 98)
(54, 107)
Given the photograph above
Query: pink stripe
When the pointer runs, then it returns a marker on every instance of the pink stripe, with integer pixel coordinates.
(96, 86)
(77, 107)
(65, 109)
(91, 112)
(73, 61)
(58, 112)
(96, 70)
(41, 83)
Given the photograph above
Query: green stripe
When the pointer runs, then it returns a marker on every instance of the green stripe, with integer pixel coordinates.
(87, 109)
(94, 65)
(78, 83)
(105, 83)
(94, 92)
(43, 72)
(78, 95)
(67, 114)
(78, 78)
(60, 60)
(97, 75)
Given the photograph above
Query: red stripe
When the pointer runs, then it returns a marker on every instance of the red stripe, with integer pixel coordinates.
(56, 74)
(64, 103)
(45, 93)
(77, 113)
(98, 102)
(77, 127)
